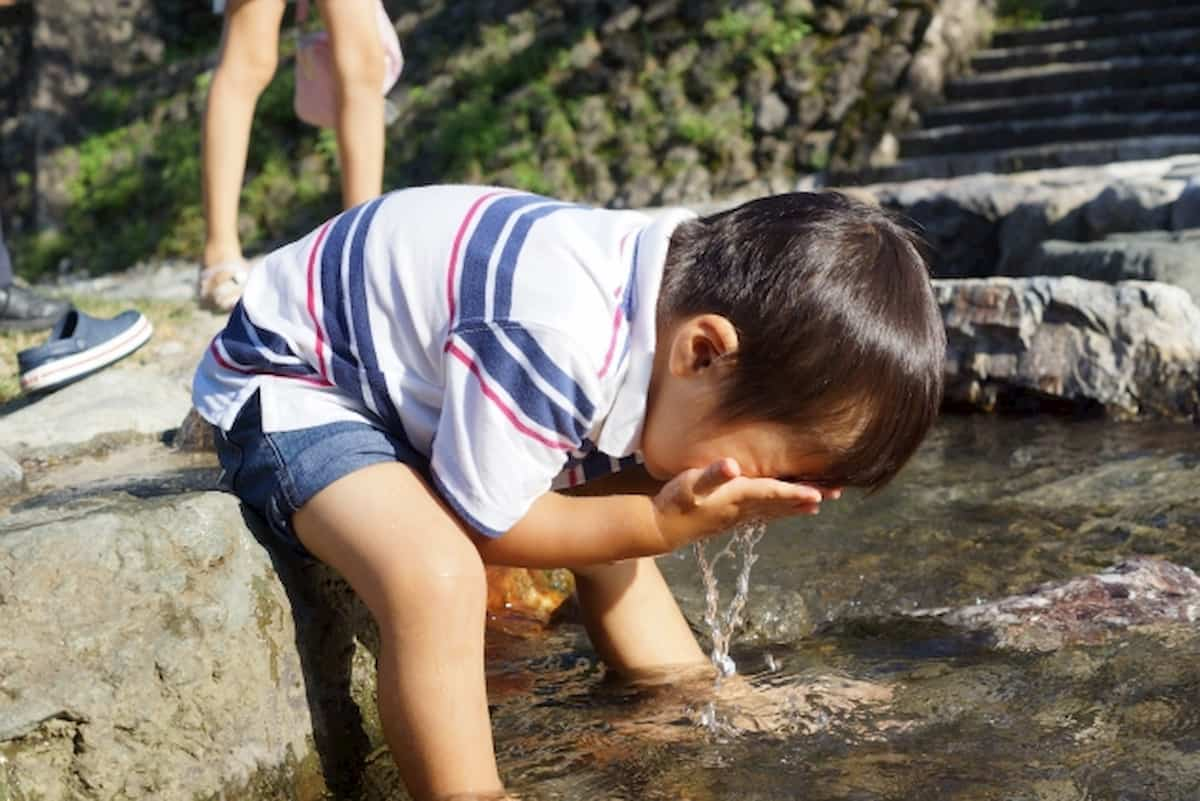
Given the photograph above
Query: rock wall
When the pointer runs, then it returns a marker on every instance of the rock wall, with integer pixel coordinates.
(616, 102)
(1073, 288)
(986, 225)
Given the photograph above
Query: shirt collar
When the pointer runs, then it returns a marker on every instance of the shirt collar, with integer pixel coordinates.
(621, 432)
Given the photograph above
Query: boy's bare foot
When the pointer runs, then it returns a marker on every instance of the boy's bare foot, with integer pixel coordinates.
(739, 706)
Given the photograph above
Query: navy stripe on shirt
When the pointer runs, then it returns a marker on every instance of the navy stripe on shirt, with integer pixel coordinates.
(472, 285)
(506, 268)
(510, 374)
(337, 329)
(259, 350)
(360, 319)
(550, 372)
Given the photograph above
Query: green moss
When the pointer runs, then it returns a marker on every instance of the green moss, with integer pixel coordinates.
(757, 34)
(1020, 14)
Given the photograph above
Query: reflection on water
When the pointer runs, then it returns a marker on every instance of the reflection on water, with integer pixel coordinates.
(865, 704)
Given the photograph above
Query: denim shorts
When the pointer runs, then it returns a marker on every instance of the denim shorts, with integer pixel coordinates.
(276, 473)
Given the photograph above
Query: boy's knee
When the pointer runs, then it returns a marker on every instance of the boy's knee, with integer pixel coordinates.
(435, 579)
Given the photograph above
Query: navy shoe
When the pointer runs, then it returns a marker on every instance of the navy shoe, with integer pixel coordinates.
(80, 345)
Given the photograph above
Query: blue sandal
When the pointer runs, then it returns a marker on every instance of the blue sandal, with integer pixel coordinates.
(80, 345)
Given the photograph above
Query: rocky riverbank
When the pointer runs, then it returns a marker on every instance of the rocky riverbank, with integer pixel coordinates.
(158, 650)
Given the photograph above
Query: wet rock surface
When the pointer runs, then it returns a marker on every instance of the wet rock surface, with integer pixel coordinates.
(1139, 592)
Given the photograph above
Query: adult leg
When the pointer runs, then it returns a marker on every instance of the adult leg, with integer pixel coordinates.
(6, 271)
(21, 309)
(415, 568)
(249, 53)
(359, 70)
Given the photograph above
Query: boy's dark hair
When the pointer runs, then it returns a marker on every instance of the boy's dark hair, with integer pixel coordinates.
(838, 327)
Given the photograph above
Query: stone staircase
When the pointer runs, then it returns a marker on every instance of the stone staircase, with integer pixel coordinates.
(1098, 81)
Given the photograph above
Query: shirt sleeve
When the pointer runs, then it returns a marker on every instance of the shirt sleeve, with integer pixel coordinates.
(518, 401)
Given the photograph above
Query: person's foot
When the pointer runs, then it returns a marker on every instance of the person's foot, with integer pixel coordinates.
(220, 285)
(23, 310)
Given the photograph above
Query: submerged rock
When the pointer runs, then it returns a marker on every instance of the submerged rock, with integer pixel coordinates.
(525, 593)
(1139, 593)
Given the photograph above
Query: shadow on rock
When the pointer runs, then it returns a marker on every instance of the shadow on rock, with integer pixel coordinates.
(338, 643)
(176, 482)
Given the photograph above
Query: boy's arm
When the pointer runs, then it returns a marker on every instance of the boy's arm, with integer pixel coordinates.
(564, 531)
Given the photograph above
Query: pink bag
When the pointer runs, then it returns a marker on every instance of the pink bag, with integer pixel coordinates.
(315, 100)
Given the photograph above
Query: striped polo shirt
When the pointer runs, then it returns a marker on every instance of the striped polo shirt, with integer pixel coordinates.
(507, 336)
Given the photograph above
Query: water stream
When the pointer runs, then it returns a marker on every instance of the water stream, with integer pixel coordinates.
(723, 626)
(846, 696)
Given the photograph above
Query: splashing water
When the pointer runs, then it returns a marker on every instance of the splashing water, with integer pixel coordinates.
(723, 626)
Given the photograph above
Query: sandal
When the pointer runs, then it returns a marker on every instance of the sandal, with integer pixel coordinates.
(220, 286)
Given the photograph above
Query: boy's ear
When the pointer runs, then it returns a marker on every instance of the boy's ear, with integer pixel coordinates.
(700, 342)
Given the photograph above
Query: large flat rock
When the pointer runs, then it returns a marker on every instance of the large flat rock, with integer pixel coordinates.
(140, 400)
(152, 650)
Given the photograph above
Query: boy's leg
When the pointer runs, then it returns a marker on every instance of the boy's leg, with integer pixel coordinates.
(417, 571)
(630, 613)
(634, 621)
(249, 52)
(358, 64)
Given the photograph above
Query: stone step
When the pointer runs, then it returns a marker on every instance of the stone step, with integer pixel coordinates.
(1057, 128)
(1068, 29)
(1058, 9)
(1115, 73)
(1022, 159)
(1155, 43)
(1169, 97)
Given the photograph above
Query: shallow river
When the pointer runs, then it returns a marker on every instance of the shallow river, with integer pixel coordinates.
(858, 700)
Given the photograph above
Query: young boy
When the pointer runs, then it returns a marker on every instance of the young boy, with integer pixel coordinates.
(400, 393)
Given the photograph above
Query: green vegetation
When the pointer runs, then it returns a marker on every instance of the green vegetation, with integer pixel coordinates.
(135, 190)
(554, 99)
(758, 34)
(1020, 13)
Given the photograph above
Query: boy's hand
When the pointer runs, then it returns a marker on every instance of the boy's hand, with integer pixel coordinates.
(700, 503)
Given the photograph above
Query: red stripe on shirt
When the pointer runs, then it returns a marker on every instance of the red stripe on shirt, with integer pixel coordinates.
(612, 342)
(312, 302)
(491, 395)
(462, 229)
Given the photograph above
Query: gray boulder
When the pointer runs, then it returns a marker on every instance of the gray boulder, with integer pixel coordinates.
(985, 225)
(153, 651)
(1132, 349)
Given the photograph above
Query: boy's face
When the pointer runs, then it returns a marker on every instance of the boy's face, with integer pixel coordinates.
(761, 449)
(682, 431)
